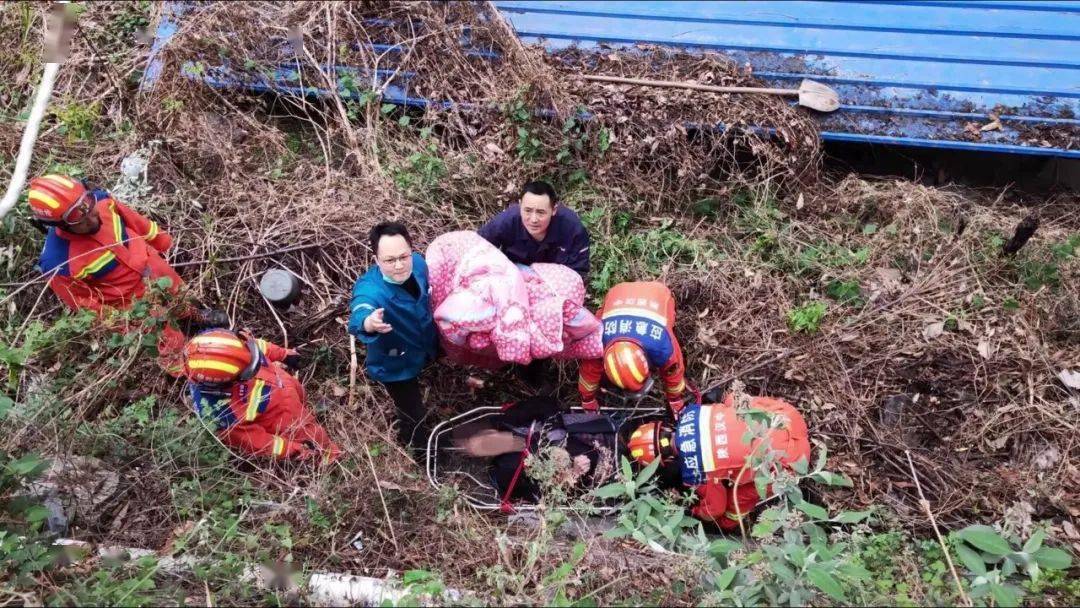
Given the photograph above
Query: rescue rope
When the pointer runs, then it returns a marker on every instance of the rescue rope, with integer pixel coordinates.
(62, 35)
(504, 504)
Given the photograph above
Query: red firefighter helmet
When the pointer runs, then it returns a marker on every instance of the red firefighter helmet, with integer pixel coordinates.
(651, 440)
(56, 198)
(220, 356)
(625, 365)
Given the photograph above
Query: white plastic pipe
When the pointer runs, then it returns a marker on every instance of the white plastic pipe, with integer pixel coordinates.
(26, 148)
(323, 588)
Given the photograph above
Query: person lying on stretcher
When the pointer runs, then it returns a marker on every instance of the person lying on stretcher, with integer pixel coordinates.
(533, 446)
(703, 450)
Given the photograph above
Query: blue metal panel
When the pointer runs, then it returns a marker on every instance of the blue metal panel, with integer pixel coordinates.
(911, 72)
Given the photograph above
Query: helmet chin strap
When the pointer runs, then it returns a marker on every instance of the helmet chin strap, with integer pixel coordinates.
(665, 444)
(249, 372)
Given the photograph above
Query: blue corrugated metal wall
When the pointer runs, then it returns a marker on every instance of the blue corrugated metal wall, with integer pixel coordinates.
(908, 72)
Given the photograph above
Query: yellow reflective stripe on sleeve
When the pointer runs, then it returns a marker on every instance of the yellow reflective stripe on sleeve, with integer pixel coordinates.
(118, 226)
(45, 198)
(734, 516)
(221, 366)
(261, 344)
(67, 183)
(102, 261)
(589, 386)
(677, 389)
(279, 445)
(253, 400)
(153, 232)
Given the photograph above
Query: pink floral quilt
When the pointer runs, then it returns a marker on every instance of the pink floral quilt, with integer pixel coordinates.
(490, 311)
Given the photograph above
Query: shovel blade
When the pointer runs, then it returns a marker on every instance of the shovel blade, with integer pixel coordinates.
(817, 96)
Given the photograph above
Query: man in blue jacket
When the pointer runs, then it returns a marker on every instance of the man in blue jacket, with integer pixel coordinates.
(538, 229)
(391, 314)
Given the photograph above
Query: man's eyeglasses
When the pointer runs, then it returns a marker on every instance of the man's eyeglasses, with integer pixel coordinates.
(401, 259)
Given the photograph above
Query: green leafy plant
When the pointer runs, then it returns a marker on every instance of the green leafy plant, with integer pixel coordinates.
(807, 318)
(995, 563)
(846, 292)
(78, 120)
(422, 171)
(624, 252)
(655, 522)
(135, 18)
(823, 256)
(40, 339)
(24, 548)
(603, 141)
(574, 136)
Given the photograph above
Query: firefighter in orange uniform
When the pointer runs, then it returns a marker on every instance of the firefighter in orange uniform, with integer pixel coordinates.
(638, 323)
(706, 447)
(99, 253)
(239, 386)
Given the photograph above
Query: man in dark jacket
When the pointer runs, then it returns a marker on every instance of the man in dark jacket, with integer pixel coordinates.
(539, 229)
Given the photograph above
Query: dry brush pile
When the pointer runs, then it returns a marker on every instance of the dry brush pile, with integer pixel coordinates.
(883, 309)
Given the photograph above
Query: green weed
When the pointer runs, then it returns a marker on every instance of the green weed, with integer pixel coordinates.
(422, 171)
(135, 18)
(78, 120)
(807, 318)
(24, 547)
(995, 563)
(846, 292)
(621, 253)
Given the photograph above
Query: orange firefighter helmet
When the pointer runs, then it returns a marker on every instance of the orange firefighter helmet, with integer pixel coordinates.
(220, 356)
(625, 365)
(57, 198)
(650, 441)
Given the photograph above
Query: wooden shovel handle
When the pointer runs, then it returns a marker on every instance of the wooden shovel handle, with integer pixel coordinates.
(672, 84)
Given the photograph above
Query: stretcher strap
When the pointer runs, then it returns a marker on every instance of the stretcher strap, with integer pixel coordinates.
(505, 505)
(694, 391)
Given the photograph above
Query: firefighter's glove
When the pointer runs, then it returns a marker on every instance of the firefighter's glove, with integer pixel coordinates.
(293, 360)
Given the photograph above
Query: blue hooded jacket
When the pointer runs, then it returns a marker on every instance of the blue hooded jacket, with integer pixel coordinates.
(399, 354)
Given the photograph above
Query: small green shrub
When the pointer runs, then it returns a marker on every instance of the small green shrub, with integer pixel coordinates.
(807, 318)
(845, 292)
(77, 120)
(25, 549)
(995, 563)
(422, 171)
(621, 253)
